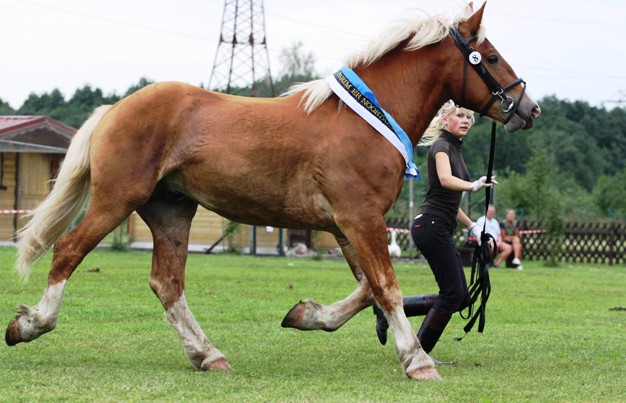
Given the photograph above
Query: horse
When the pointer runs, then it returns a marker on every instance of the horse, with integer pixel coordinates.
(303, 160)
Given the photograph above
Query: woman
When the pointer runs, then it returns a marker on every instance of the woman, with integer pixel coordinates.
(510, 235)
(433, 227)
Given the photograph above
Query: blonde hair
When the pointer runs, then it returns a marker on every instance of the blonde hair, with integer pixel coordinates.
(435, 127)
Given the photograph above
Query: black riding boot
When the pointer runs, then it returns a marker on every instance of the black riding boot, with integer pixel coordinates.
(415, 305)
(431, 329)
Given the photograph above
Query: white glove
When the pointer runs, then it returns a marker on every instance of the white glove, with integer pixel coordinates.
(475, 232)
(482, 183)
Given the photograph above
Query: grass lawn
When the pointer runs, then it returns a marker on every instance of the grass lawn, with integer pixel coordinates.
(551, 335)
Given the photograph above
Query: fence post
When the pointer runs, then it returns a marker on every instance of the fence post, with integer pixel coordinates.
(611, 242)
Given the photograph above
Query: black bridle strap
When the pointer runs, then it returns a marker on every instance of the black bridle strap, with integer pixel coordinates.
(480, 284)
(507, 104)
(504, 98)
(462, 102)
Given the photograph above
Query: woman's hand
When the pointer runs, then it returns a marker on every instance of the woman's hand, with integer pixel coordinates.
(476, 232)
(482, 183)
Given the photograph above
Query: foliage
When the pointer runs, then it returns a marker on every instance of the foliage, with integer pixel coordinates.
(232, 229)
(5, 108)
(610, 193)
(74, 111)
(119, 237)
(548, 327)
(143, 82)
(297, 66)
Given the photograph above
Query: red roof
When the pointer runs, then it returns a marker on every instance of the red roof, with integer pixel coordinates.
(34, 134)
(12, 124)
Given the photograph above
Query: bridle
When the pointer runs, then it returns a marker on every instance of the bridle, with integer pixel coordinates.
(507, 104)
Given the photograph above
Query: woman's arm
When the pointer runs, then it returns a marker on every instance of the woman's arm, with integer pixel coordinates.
(471, 226)
(463, 219)
(444, 172)
(503, 235)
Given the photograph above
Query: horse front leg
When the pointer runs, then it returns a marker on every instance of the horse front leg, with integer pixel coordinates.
(170, 222)
(310, 315)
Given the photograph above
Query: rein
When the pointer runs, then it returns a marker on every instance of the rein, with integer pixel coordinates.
(507, 104)
(480, 285)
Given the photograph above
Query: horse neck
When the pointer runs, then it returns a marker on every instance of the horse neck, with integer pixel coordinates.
(409, 85)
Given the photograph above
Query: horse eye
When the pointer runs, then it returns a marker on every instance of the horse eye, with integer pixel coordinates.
(492, 59)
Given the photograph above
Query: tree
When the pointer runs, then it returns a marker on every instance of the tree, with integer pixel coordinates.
(82, 104)
(296, 66)
(45, 104)
(5, 108)
(143, 82)
(609, 195)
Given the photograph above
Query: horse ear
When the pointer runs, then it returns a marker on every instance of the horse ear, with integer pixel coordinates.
(473, 23)
(470, 7)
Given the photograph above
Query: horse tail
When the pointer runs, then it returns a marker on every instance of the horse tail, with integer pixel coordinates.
(68, 196)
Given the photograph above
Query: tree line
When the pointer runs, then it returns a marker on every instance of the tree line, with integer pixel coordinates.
(570, 166)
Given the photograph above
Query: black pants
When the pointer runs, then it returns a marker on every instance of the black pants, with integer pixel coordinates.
(432, 236)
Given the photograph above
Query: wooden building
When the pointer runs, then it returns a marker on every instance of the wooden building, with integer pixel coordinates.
(31, 151)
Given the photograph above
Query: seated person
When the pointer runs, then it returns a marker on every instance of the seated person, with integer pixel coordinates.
(492, 227)
(510, 235)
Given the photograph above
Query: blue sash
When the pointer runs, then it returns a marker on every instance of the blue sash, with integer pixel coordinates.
(356, 94)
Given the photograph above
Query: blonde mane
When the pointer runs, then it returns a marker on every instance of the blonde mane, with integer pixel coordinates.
(417, 34)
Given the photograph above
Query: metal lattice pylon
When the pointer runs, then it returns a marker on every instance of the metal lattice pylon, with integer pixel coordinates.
(242, 60)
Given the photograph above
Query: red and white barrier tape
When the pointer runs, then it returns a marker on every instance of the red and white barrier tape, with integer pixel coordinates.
(14, 211)
(400, 230)
(524, 231)
(531, 231)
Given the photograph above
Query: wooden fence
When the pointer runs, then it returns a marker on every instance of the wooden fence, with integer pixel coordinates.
(594, 242)
(600, 242)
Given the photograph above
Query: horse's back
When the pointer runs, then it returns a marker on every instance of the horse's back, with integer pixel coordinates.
(248, 159)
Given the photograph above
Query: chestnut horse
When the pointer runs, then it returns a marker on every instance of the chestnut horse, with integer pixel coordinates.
(304, 160)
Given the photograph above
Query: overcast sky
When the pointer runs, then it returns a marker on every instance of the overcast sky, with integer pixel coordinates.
(572, 49)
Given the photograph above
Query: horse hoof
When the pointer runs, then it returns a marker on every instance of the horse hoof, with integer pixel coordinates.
(221, 364)
(294, 316)
(13, 336)
(425, 374)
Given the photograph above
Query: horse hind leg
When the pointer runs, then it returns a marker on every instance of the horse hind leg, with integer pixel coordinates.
(169, 216)
(69, 250)
(310, 315)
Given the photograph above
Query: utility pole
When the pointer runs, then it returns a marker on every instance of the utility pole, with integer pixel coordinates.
(242, 60)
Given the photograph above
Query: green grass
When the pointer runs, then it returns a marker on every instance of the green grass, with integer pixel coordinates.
(550, 336)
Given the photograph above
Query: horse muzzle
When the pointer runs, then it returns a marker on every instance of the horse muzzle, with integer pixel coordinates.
(523, 120)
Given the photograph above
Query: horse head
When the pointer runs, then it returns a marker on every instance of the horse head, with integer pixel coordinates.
(489, 85)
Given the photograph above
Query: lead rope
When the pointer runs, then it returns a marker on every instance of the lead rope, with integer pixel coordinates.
(480, 285)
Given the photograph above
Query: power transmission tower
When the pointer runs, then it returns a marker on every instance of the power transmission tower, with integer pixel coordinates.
(242, 60)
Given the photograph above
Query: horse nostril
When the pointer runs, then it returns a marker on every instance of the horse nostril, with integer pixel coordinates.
(536, 111)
